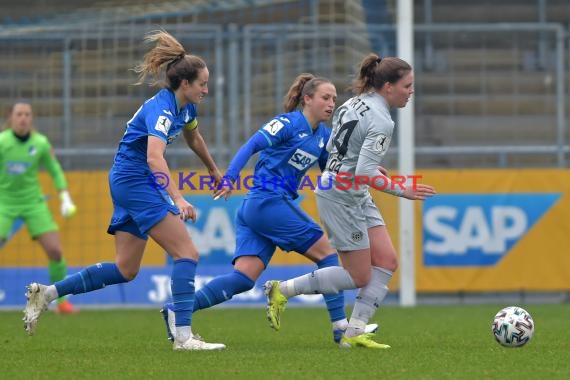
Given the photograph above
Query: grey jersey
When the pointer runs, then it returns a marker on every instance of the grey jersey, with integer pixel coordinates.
(362, 130)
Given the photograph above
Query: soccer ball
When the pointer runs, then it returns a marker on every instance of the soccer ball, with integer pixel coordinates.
(513, 327)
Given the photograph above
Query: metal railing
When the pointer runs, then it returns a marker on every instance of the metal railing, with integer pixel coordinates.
(480, 97)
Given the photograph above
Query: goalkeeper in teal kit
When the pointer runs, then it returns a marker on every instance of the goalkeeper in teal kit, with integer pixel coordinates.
(23, 151)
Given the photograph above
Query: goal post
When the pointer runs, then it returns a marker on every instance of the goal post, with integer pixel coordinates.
(406, 164)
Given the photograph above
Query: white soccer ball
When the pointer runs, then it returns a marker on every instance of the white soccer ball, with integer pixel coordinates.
(513, 327)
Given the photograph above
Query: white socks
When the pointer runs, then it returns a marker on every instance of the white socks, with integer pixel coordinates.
(368, 300)
(329, 280)
(340, 325)
(50, 293)
(183, 333)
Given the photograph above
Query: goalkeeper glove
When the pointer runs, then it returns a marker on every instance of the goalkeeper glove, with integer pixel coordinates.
(68, 209)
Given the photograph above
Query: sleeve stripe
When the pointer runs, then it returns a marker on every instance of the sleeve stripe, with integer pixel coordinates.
(267, 138)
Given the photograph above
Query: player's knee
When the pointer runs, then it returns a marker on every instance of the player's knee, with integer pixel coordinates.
(320, 250)
(54, 254)
(393, 266)
(242, 282)
(184, 253)
(386, 261)
(390, 263)
(361, 279)
(129, 273)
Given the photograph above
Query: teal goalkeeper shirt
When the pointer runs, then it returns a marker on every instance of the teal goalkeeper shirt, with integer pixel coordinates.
(20, 162)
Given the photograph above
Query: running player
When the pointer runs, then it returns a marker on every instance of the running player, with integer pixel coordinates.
(362, 130)
(290, 144)
(142, 206)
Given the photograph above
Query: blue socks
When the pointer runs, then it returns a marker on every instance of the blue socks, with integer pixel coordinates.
(182, 286)
(221, 289)
(335, 302)
(91, 278)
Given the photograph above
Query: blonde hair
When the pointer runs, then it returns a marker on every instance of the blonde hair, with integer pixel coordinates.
(170, 53)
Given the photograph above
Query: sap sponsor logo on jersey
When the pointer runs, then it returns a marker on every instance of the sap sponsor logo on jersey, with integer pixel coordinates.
(301, 159)
(273, 127)
(478, 229)
(163, 124)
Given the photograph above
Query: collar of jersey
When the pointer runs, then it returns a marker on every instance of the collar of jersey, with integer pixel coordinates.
(309, 125)
(178, 109)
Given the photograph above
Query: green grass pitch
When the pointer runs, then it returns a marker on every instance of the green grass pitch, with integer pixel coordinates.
(428, 342)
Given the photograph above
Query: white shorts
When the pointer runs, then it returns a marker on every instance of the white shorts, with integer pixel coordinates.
(347, 226)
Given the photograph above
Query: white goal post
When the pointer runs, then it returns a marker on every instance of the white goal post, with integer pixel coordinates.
(406, 162)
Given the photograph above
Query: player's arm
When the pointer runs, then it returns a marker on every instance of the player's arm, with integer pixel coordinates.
(270, 134)
(324, 156)
(371, 153)
(368, 165)
(52, 165)
(196, 142)
(156, 146)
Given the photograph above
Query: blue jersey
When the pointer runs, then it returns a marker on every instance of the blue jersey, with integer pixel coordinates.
(293, 148)
(159, 116)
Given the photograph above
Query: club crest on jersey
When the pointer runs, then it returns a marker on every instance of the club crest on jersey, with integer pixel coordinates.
(273, 127)
(356, 236)
(301, 159)
(32, 150)
(382, 143)
(163, 124)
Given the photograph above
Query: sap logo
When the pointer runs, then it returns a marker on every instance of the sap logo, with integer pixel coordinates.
(478, 230)
(16, 167)
(301, 159)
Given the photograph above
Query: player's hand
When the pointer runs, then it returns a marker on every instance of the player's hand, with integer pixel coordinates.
(215, 173)
(187, 211)
(68, 208)
(224, 188)
(419, 192)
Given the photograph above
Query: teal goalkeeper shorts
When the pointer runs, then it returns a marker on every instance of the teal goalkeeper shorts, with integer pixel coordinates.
(36, 216)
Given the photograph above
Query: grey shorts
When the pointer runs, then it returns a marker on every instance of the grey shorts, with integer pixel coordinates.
(347, 226)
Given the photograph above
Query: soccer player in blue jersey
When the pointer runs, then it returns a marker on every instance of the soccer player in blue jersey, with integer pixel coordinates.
(143, 207)
(290, 144)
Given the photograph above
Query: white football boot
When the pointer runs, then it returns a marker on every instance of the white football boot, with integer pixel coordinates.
(35, 306)
(196, 343)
